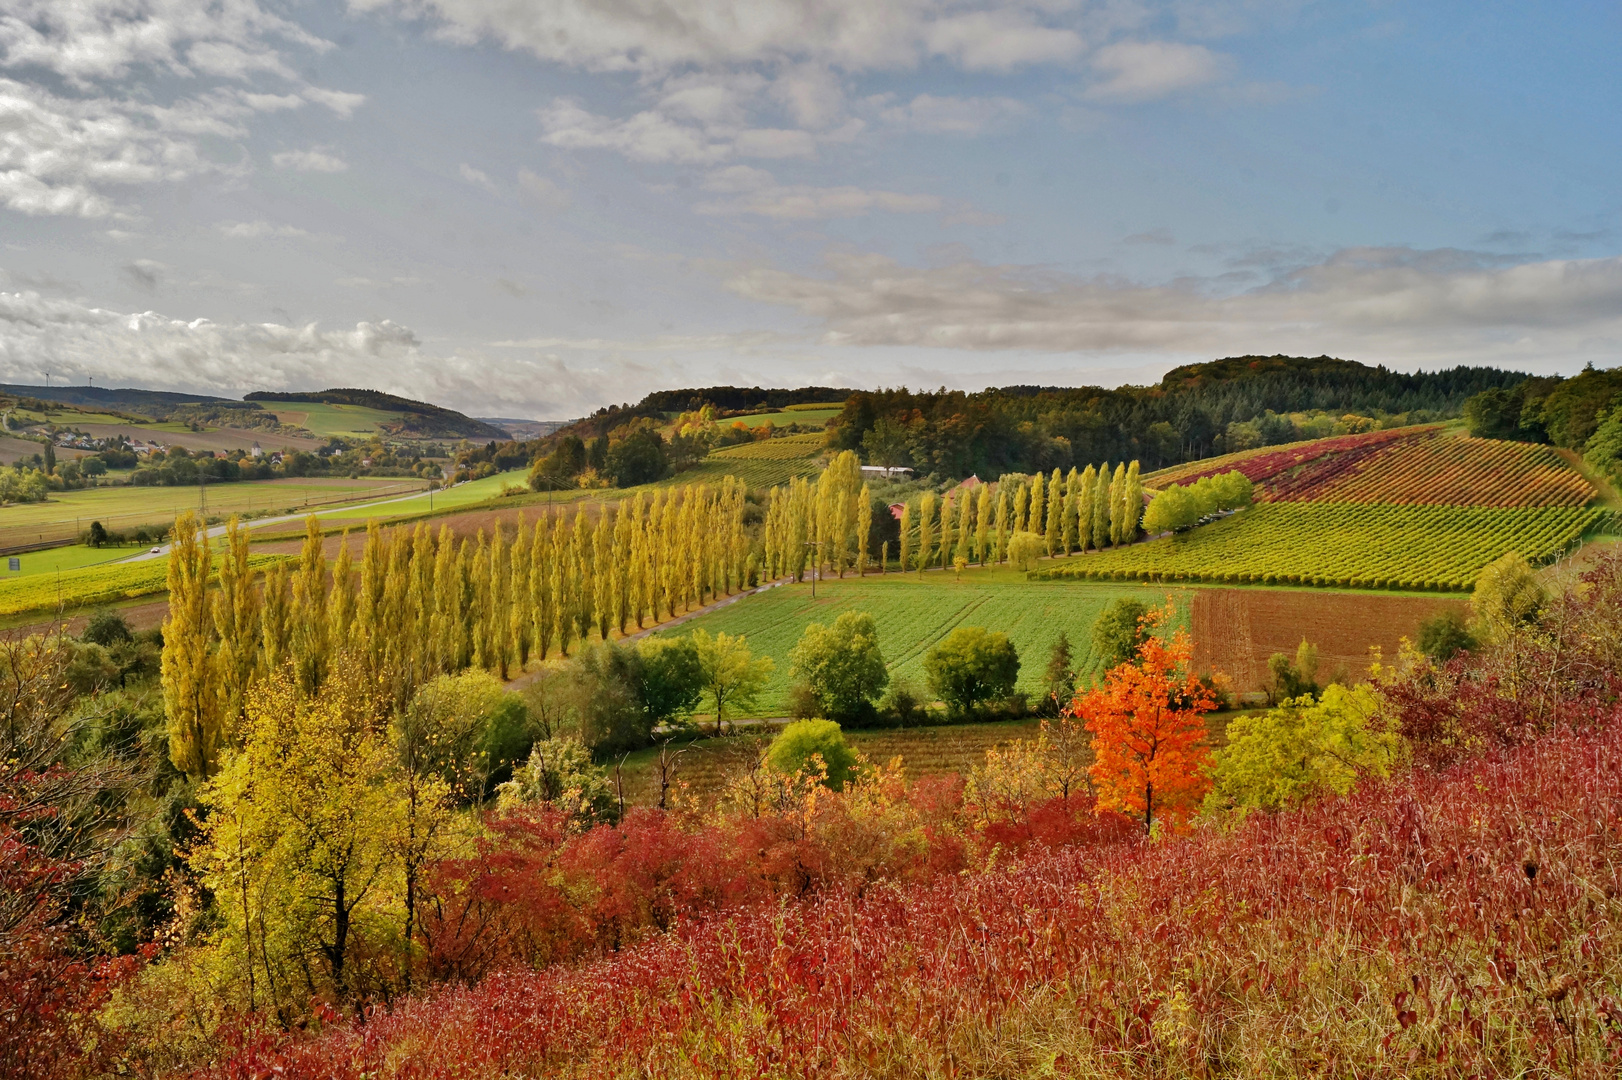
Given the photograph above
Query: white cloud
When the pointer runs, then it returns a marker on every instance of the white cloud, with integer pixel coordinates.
(953, 115)
(153, 350)
(1147, 70)
(56, 154)
(341, 102)
(656, 38)
(543, 191)
(194, 64)
(309, 161)
(775, 143)
(755, 192)
(648, 136)
(1390, 303)
(476, 177)
(257, 230)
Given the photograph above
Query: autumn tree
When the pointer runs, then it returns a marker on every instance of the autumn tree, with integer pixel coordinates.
(733, 676)
(1148, 732)
(190, 687)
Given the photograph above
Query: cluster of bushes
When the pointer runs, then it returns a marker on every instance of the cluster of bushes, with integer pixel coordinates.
(20, 484)
(1177, 507)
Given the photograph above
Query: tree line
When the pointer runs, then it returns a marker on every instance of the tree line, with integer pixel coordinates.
(419, 605)
(829, 523)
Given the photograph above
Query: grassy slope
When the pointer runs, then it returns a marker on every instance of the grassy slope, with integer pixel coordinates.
(326, 419)
(72, 557)
(786, 417)
(913, 613)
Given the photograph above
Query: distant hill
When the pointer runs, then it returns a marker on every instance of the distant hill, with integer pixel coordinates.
(154, 404)
(417, 419)
(523, 430)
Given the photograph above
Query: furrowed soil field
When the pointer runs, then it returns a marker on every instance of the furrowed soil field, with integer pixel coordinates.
(67, 513)
(924, 751)
(1350, 545)
(327, 419)
(912, 614)
(1236, 630)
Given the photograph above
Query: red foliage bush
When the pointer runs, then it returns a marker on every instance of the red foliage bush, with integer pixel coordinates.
(1450, 924)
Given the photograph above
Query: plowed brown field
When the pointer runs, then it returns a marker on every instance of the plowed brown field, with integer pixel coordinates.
(1236, 630)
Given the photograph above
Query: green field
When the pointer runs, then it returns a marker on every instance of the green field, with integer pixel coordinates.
(92, 585)
(1347, 545)
(70, 557)
(813, 415)
(321, 418)
(67, 513)
(913, 613)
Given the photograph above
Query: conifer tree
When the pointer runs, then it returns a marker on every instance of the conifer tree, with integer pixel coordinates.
(906, 536)
(1101, 507)
(373, 570)
(422, 571)
(500, 601)
(462, 625)
(1084, 508)
(563, 574)
(522, 612)
(307, 618)
(479, 614)
(1132, 504)
(273, 619)
(1003, 511)
(1054, 522)
(926, 529)
(191, 696)
(602, 551)
(236, 625)
(864, 529)
(341, 600)
(1117, 515)
(982, 524)
(540, 588)
(447, 602)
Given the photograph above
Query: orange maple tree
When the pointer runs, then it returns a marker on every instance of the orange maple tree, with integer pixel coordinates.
(1149, 752)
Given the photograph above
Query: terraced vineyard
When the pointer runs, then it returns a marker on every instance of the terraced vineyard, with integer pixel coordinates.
(1264, 464)
(1348, 545)
(1441, 470)
(913, 612)
(758, 464)
(94, 585)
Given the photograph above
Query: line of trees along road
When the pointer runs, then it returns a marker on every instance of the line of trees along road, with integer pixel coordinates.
(420, 605)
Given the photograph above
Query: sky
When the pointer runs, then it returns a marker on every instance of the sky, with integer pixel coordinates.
(534, 208)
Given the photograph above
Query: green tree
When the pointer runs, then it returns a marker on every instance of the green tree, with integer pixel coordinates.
(1024, 548)
(798, 743)
(1059, 681)
(560, 771)
(1118, 631)
(970, 667)
(1297, 677)
(842, 666)
(1507, 595)
(297, 848)
(672, 679)
(190, 687)
(733, 676)
(1444, 635)
(1302, 749)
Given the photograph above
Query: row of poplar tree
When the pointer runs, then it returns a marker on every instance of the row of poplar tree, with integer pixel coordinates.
(420, 605)
(826, 522)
